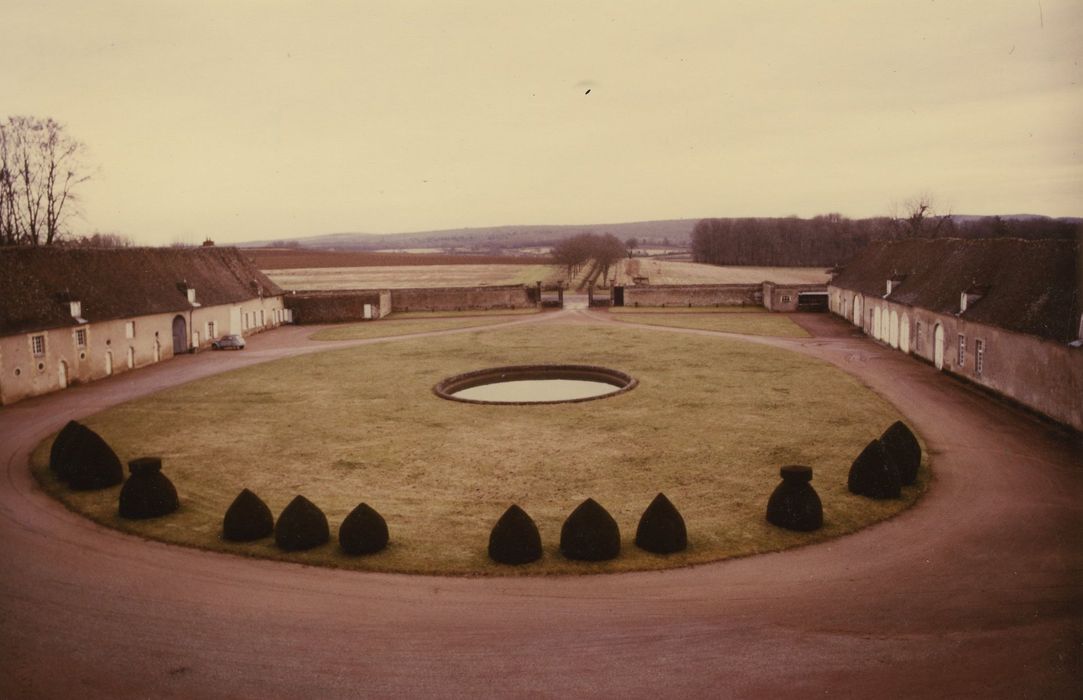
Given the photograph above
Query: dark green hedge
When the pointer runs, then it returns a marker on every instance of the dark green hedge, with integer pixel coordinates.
(515, 538)
(590, 533)
(364, 531)
(301, 525)
(248, 518)
(148, 493)
(661, 528)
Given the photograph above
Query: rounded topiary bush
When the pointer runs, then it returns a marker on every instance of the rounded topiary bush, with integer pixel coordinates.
(90, 462)
(661, 528)
(873, 475)
(364, 531)
(301, 525)
(148, 493)
(794, 504)
(515, 538)
(903, 450)
(590, 533)
(62, 447)
(247, 518)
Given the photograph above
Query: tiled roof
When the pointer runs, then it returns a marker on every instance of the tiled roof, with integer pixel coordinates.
(36, 283)
(1027, 286)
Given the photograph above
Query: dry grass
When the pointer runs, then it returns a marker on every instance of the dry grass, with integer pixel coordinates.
(710, 424)
(669, 272)
(745, 323)
(393, 326)
(687, 309)
(408, 276)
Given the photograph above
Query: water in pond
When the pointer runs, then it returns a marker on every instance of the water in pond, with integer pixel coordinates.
(537, 390)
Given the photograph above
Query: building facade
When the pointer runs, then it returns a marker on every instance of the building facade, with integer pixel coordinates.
(76, 315)
(1003, 314)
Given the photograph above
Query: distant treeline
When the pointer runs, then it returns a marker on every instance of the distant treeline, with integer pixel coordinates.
(833, 239)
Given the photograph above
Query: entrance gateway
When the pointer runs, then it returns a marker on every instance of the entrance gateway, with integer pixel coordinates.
(180, 335)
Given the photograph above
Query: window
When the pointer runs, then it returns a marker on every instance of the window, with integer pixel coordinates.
(785, 298)
(129, 330)
(979, 356)
(212, 330)
(80, 338)
(37, 344)
(962, 350)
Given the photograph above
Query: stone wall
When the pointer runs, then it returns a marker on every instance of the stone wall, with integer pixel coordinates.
(338, 306)
(462, 298)
(785, 297)
(694, 295)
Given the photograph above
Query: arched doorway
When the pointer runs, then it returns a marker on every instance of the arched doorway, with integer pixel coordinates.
(876, 323)
(893, 329)
(109, 363)
(157, 351)
(904, 333)
(180, 335)
(938, 347)
(858, 303)
(131, 357)
(63, 374)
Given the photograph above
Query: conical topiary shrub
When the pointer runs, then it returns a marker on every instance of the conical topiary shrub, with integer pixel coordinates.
(903, 450)
(661, 528)
(148, 493)
(90, 462)
(794, 504)
(873, 475)
(62, 447)
(590, 533)
(301, 525)
(515, 538)
(364, 531)
(247, 518)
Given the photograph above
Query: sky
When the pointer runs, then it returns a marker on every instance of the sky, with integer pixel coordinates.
(259, 119)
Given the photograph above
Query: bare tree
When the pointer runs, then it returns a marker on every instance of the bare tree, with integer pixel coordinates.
(919, 216)
(41, 166)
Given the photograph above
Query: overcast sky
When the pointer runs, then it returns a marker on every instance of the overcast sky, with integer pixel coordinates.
(262, 119)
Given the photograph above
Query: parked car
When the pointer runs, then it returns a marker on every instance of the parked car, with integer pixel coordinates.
(228, 342)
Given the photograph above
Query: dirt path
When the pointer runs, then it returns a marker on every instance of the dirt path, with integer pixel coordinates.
(978, 590)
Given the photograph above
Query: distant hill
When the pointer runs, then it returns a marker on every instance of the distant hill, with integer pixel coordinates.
(495, 240)
(675, 232)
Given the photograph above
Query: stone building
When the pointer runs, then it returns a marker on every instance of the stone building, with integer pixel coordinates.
(70, 315)
(1001, 313)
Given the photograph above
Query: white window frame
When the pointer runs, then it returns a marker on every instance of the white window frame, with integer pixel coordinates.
(979, 356)
(37, 345)
(961, 357)
(211, 330)
(80, 338)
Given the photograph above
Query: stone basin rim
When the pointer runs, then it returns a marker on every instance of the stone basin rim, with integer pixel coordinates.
(447, 388)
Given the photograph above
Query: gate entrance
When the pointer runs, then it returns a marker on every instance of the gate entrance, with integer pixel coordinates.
(180, 335)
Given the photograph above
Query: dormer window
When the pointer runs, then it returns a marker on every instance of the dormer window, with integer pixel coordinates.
(76, 309)
(971, 296)
(893, 283)
(191, 295)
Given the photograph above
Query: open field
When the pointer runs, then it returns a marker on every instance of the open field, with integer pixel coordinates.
(401, 277)
(449, 275)
(710, 424)
(416, 322)
(668, 272)
(296, 258)
(745, 323)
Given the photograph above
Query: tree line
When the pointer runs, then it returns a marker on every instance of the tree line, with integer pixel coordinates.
(603, 250)
(833, 239)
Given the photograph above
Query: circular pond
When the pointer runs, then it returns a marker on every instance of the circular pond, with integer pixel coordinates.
(534, 384)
